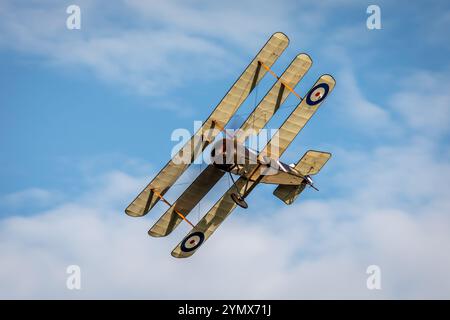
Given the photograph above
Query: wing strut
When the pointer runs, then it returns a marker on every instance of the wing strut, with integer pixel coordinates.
(278, 78)
(170, 205)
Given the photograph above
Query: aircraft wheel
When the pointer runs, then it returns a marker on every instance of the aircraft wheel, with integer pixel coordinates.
(239, 200)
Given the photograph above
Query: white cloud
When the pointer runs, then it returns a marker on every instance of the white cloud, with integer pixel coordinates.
(408, 174)
(424, 102)
(313, 249)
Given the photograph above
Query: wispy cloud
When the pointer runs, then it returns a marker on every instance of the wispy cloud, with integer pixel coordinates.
(149, 60)
(154, 46)
(353, 104)
(36, 196)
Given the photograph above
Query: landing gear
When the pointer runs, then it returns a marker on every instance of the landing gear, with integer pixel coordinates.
(239, 200)
(236, 196)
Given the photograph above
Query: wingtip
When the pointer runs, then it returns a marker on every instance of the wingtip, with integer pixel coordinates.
(154, 234)
(280, 34)
(327, 75)
(177, 253)
(304, 55)
(133, 214)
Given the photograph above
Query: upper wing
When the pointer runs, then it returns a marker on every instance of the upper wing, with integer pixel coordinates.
(312, 161)
(259, 117)
(205, 135)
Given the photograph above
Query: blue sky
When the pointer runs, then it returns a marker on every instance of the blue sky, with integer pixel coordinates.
(86, 118)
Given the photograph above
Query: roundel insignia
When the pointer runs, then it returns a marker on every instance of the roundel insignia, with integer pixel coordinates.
(192, 241)
(317, 94)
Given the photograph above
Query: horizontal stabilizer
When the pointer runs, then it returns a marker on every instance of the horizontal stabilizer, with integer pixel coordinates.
(311, 163)
(288, 193)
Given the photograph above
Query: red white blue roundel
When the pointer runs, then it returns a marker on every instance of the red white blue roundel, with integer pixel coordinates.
(317, 94)
(192, 241)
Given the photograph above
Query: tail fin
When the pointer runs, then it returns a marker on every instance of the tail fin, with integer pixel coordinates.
(311, 163)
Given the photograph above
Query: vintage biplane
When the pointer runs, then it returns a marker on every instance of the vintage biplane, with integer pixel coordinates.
(230, 155)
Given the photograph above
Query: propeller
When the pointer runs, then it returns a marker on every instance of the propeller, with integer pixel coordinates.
(310, 182)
